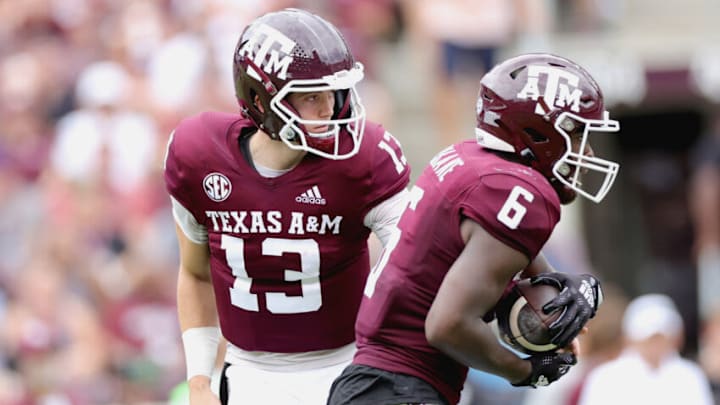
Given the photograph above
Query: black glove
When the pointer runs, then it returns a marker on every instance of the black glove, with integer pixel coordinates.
(579, 298)
(547, 368)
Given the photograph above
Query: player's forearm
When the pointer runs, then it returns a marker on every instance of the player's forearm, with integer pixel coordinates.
(537, 266)
(197, 315)
(195, 302)
(472, 342)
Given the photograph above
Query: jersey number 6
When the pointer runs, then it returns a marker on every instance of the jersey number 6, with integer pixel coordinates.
(512, 212)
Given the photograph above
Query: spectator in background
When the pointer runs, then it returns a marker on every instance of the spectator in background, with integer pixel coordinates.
(469, 36)
(369, 26)
(709, 352)
(55, 338)
(704, 196)
(704, 205)
(75, 212)
(102, 142)
(650, 369)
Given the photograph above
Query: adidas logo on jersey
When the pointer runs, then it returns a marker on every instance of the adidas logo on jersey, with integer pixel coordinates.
(311, 196)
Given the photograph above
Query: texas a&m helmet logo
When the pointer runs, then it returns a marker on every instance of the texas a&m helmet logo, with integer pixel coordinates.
(270, 50)
(561, 89)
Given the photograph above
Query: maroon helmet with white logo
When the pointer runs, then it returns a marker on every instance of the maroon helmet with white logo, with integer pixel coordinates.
(533, 105)
(296, 51)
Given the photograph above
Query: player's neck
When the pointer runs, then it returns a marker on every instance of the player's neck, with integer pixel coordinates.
(273, 154)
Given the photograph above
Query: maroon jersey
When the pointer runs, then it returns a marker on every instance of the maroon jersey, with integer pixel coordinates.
(289, 254)
(512, 202)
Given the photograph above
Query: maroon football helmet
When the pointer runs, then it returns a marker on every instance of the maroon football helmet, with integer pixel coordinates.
(296, 51)
(534, 106)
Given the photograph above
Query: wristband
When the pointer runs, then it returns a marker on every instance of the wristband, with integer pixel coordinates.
(201, 345)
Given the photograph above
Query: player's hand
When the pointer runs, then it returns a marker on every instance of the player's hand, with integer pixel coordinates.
(547, 368)
(200, 392)
(579, 298)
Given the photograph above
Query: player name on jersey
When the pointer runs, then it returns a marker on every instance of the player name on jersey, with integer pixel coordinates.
(274, 222)
(445, 161)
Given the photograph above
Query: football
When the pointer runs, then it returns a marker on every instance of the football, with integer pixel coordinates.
(521, 322)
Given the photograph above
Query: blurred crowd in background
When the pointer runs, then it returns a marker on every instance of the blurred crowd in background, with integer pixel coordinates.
(91, 89)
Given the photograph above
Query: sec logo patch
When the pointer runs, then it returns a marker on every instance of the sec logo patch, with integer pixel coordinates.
(217, 186)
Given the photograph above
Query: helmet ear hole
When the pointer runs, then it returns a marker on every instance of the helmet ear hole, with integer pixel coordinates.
(536, 136)
(256, 103)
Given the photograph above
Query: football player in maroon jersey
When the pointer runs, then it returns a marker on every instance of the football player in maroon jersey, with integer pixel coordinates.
(476, 218)
(274, 207)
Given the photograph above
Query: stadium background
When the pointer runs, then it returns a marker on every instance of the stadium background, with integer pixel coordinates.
(90, 90)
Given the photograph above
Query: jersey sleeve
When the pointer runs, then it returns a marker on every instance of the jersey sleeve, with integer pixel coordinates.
(187, 222)
(178, 168)
(514, 211)
(383, 218)
(390, 169)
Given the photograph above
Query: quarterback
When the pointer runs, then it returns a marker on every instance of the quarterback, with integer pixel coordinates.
(274, 207)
